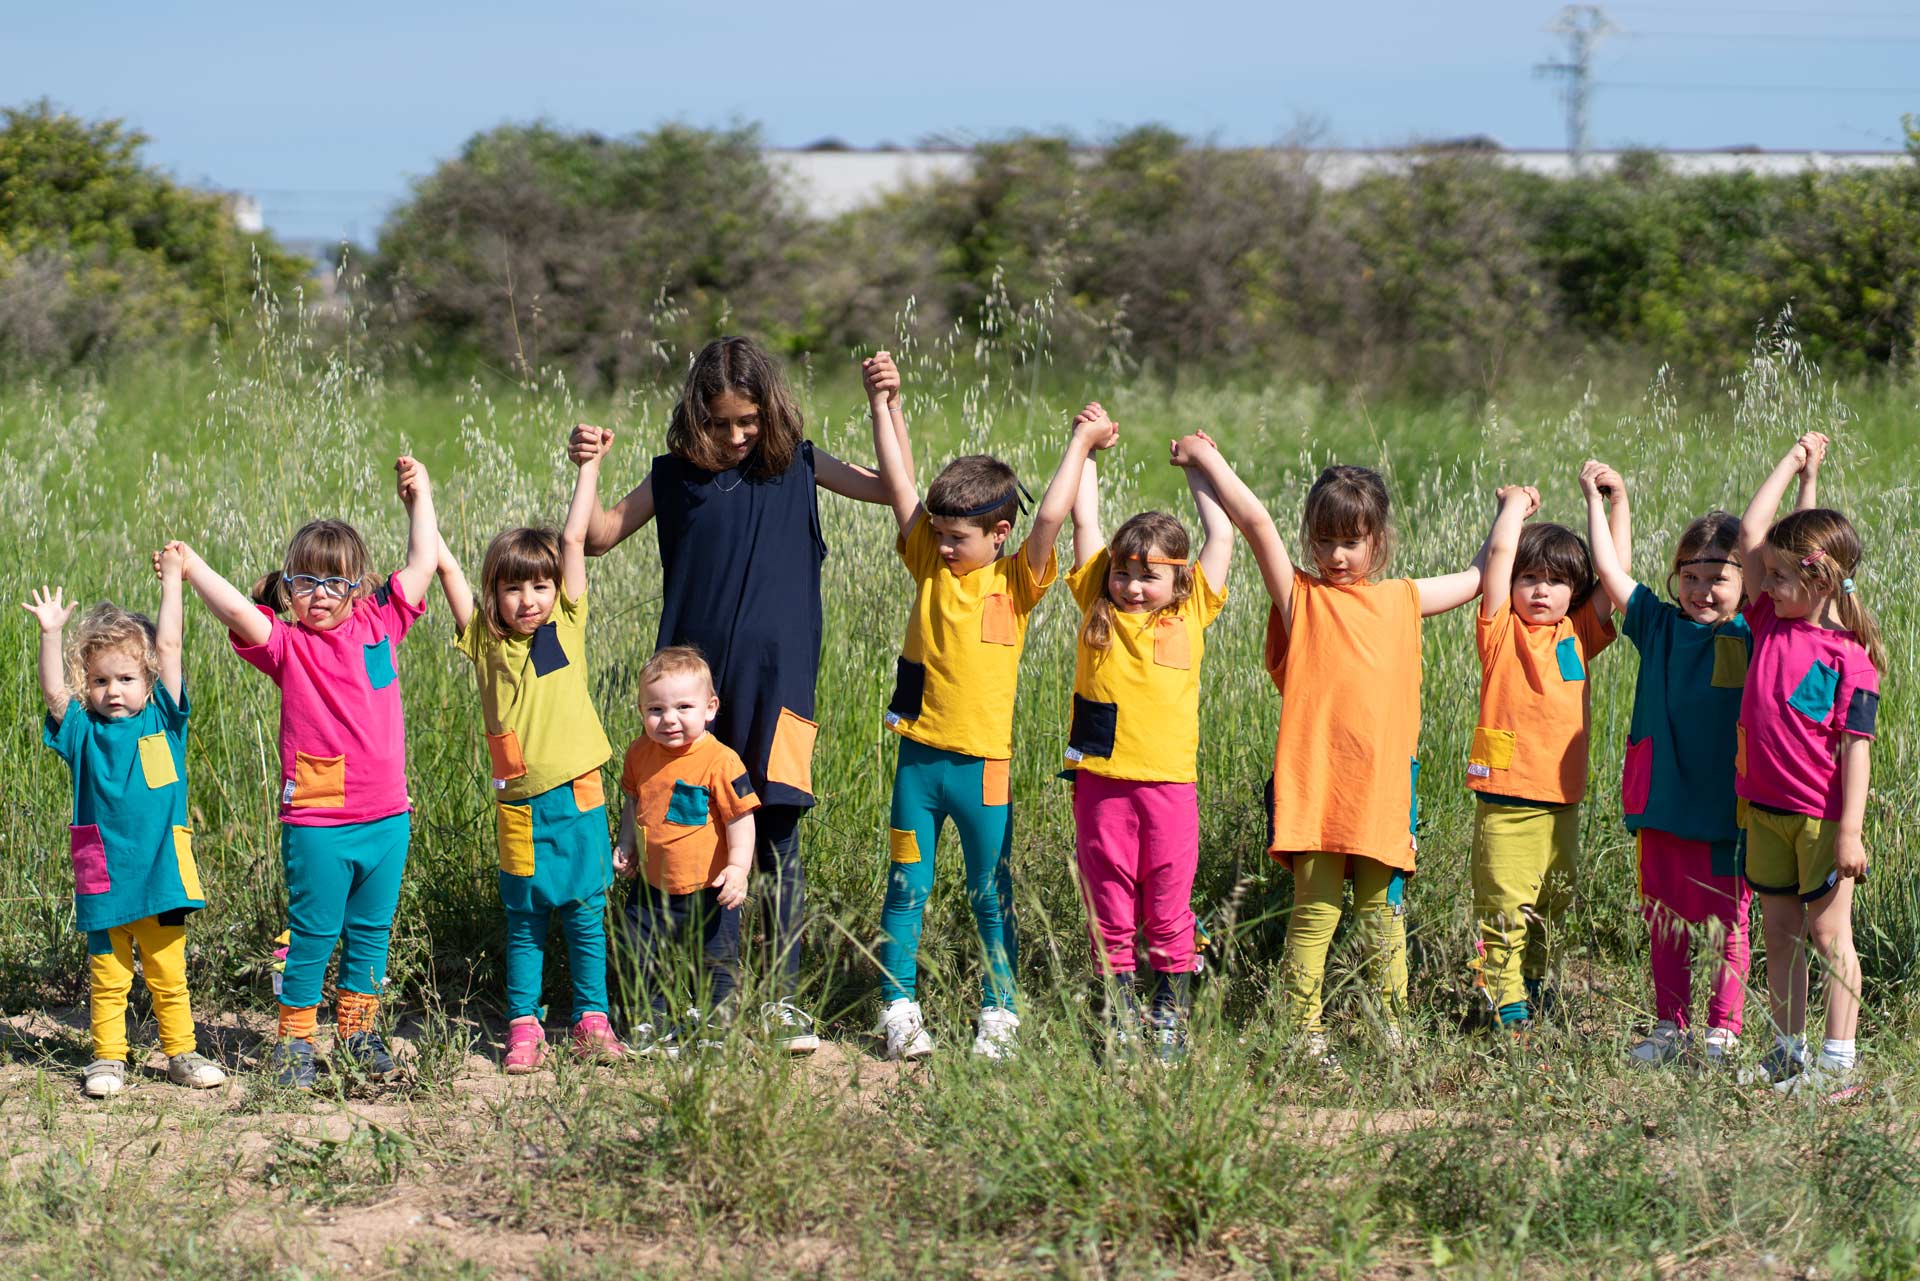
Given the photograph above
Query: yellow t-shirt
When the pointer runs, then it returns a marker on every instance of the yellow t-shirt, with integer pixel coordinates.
(957, 674)
(542, 730)
(1136, 704)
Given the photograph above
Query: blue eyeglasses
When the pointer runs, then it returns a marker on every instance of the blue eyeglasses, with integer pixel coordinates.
(308, 585)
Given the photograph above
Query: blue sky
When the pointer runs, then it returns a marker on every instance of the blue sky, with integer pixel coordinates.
(326, 112)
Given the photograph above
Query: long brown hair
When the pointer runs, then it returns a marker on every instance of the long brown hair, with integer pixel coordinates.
(1822, 549)
(516, 556)
(743, 366)
(324, 549)
(1145, 535)
(1714, 536)
(1349, 502)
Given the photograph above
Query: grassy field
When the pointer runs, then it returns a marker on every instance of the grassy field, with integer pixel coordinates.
(1463, 1156)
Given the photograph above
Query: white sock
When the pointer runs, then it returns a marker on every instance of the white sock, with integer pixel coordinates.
(1794, 1045)
(1837, 1054)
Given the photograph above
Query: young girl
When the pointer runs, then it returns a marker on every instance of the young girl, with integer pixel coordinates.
(1677, 784)
(1807, 718)
(1344, 651)
(740, 555)
(344, 811)
(1136, 731)
(546, 747)
(1541, 622)
(134, 876)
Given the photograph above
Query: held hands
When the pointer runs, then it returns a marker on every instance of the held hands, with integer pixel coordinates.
(588, 444)
(171, 561)
(882, 378)
(49, 609)
(732, 884)
(1526, 497)
(1598, 479)
(1188, 450)
(413, 480)
(1092, 425)
(623, 860)
(1809, 452)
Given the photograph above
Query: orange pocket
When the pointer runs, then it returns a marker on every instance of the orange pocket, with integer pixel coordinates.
(588, 792)
(319, 782)
(996, 787)
(790, 763)
(1172, 646)
(997, 625)
(504, 751)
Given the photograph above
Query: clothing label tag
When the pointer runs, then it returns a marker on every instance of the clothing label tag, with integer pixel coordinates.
(286, 793)
(893, 718)
(1476, 770)
(499, 784)
(1075, 755)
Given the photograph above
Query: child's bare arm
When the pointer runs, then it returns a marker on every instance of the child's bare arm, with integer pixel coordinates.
(1087, 536)
(732, 881)
(1616, 580)
(1809, 496)
(1619, 534)
(625, 861)
(51, 610)
(1849, 852)
(423, 529)
(229, 604)
(170, 563)
(580, 512)
(891, 445)
(1216, 529)
(1760, 513)
(1517, 502)
(607, 528)
(1092, 430)
(1248, 514)
(454, 586)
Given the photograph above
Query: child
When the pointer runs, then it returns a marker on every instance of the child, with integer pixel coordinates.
(1541, 623)
(133, 869)
(345, 815)
(1136, 731)
(952, 701)
(740, 555)
(1807, 718)
(1344, 651)
(688, 824)
(1677, 783)
(546, 747)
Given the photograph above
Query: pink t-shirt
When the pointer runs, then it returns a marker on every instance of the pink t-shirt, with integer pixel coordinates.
(343, 741)
(1807, 689)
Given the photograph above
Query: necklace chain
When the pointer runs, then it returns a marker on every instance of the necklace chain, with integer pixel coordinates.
(728, 489)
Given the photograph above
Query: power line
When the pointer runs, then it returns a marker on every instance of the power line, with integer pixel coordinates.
(1776, 36)
(1694, 87)
(1668, 11)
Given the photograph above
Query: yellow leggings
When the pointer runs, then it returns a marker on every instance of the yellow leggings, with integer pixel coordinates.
(1523, 866)
(1319, 882)
(163, 960)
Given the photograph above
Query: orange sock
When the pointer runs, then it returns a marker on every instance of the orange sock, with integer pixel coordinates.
(298, 1022)
(353, 1013)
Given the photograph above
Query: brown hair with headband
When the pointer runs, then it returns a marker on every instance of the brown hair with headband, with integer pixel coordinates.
(1150, 538)
(1349, 502)
(1821, 548)
(976, 487)
(1712, 539)
(323, 549)
(516, 556)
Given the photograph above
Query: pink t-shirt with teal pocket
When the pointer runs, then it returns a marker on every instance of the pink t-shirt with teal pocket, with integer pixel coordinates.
(343, 740)
(1808, 689)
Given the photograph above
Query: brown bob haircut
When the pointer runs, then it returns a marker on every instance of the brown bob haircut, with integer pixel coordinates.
(742, 366)
(1145, 535)
(324, 549)
(1349, 502)
(516, 556)
(978, 488)
(1559, 555)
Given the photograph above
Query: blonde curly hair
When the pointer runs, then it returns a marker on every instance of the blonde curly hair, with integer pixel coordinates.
(104, 629)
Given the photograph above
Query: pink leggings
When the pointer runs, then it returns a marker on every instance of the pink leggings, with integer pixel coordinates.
(1678, 889)
(1138, 846)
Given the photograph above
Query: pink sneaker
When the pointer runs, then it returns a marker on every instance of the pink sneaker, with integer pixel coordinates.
(594, 1039)
(526, 1048)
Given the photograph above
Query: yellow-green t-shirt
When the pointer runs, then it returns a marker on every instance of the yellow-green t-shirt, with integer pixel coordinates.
(1136, 703)
(542, 730)
(961, 663)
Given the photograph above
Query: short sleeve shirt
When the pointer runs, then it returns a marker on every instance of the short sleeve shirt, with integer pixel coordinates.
(1535, 699)
(343, 745)
(1678, 776)
(1137, 702)
(542, 730)
(131, 847)
(961, 663)
(683, 801)
(1808, 689)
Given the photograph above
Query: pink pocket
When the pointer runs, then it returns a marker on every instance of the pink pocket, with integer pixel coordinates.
(1636, 776)
(89, 860)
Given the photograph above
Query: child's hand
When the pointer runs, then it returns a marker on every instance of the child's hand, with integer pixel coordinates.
(882, 378)
(1849, 855)
(1809, 452)
(732, 884)
(1093, 425)
(1189, 449)
(623, 862)
(171, 561)
(413, 478)
(588, 444)
(1526, 496)
(1598, 478)
(49, 609)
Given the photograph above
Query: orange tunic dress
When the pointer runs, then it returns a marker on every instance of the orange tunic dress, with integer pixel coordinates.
(1344, 765)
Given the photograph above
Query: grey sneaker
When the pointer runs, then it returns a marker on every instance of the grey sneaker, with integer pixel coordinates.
(1822, 1081)
(105, 1078)
(789, 1027)
(291, 1063)
(1720, 1045)
(195, 1071)
(1776, 1065)
(1667, 1042)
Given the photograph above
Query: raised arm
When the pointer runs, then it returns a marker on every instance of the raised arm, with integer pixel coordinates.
(1088, 538)
(891, 447)
(1809, 496)
(228, 603)
(170, 563)
(454, 586)
(1613, 487)
(580, 514)
(423, 529)
(1517, 502)
(1248, 515)
(1091, 430)
(52, 611)
(1760, 513)
(1216, 531)
(1616, 580)
(608, 528)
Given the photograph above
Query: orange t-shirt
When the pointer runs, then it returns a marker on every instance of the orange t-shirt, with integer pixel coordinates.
(1531, 742)
(682, 803)
(1349, 681)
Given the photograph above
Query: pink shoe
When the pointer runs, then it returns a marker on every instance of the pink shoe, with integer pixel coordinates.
(594, 1039)
(526, 1048)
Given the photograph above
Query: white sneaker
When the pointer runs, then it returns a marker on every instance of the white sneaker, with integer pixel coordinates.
(994, 1040)
(105, 1078)
(907, 1036)
(1667, 1042)
(195, 1071)
(1319, 1053)
(1721, 1044)
(1822, 1080)
(789, 1027)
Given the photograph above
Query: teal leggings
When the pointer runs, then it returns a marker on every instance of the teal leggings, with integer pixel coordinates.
(929, 787)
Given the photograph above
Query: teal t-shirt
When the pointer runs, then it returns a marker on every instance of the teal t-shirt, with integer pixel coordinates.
(132, 848)
(1678, 776)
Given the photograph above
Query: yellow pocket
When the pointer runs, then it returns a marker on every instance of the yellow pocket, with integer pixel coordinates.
(156, 761)
(790, 762)
(902, 847)
(189, 871)
(503, 750)
(1729, 662)
(1172, 646)
(997, 625)
(514, 826)
(588, 792)
(1492, 748)
(319, 782)
(996, 788)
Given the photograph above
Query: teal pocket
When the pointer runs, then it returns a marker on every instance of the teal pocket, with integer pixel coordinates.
(687, 807)
(1568, 653)
(1817, 690)
(379, 656)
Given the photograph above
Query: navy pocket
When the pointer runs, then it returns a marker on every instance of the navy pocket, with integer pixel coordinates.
(379, 656)
(1093, 727)
(1568, 654)
(688, 805)
(548, 654)
(909, 689)
(1814, 696)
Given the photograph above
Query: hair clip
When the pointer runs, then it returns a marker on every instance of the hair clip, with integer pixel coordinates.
(1812, 557)
(1846, 586)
